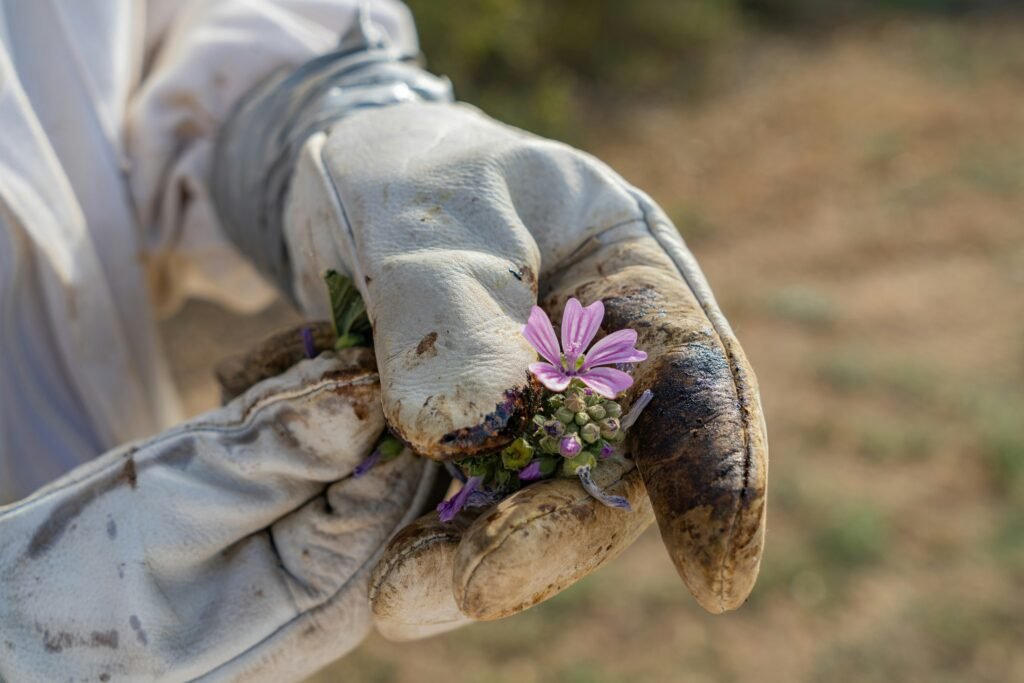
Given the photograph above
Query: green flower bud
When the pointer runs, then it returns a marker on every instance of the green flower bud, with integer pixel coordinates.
(556, 401)
(572, 428)
(390, 447)
(564, 415)
(549, 444)
(570, 465)
(548, 465)
(609, 427)
(518, 454)
(612, 409)
(478, 467)
(582, 418)
(590, 432)
(618, 437)
(503, 477)
(594, 399)
(596, 412)
(575, 403)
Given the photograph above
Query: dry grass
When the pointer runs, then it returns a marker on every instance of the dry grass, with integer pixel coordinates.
(857, 205)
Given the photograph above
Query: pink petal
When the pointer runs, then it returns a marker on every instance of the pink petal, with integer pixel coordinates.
(552, 377)
(617, 347)
(541, 335)
(579, 326)
(608, 382)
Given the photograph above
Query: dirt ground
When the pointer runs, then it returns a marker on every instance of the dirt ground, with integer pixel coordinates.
(858, 205)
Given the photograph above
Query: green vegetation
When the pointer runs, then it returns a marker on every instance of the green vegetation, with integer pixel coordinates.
(543, 65)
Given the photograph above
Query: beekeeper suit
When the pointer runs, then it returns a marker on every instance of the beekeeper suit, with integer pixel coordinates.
(234, 151)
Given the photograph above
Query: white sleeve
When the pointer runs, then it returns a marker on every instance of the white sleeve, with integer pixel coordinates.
(202, 61)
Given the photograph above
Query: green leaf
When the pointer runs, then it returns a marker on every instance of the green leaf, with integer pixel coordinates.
(351, 323)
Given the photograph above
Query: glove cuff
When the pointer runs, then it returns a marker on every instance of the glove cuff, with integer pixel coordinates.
(259, 144)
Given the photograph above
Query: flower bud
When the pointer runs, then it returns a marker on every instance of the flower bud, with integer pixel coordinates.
(596, 412)
(590, 432)
(570, 446)
(609, 427)
(612, 409)
(572, 428)
(389, 446)
(575, 403)
(556, 401)
(570, 465)
(553, 428)
(564, 415)
(549, 444)
(518, 454)
(582, 418)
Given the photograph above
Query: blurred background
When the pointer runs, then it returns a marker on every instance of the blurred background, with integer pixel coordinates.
(851, 177)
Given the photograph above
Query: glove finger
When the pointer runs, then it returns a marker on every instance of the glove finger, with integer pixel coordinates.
(700, 445)
(447, 299)
(325, 552)
(410, 589)
(544, 538)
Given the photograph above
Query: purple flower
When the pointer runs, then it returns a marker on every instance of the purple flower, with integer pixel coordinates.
(607, 450)
(570, 446)
(530, 472)
(449, 508)
(634, 410)
(308, 343)
(565, 362)
(367, 464)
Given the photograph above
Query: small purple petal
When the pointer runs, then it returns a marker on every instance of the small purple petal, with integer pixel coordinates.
(617, 347)
(634, 410)
(367, 464)
(570, 446)
(598, 493)
(579, 327)
(530, 472)
(608, 382)
(541, 335)
(607, 450)
(307, 342)
(550, 376)
(449, 508)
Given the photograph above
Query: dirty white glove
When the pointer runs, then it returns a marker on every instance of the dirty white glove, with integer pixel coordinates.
(235, 547)
(452, 226)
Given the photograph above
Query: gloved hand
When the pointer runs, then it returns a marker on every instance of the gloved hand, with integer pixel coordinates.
(235, 547)
(452, 226)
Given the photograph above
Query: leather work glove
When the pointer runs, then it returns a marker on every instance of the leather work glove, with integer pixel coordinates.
(237, 546)
(452, 226)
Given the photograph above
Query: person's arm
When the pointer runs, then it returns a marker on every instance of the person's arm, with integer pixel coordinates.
(237, 546)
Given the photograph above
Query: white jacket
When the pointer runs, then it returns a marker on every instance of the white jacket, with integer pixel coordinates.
(108, 112)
